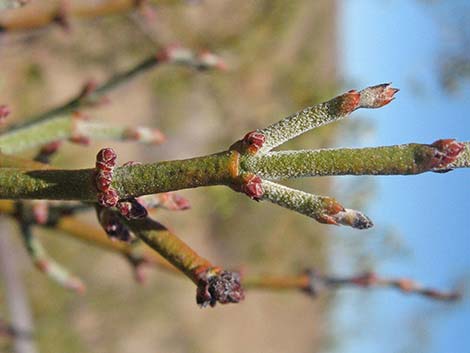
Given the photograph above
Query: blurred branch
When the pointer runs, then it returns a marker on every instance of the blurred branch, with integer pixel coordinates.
(93, 94)
(315, 283)
(20, 314)
(41, 14)
(40, 258)
(76, 129)
(12, 4)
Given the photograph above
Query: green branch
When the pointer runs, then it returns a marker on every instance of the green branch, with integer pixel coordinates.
(134, 180)
(75, 129)
(405, 159)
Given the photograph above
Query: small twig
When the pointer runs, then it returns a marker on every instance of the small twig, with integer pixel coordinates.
(322, 208)
(12, 4)
(324, 113)
(75, 129)
(41, 260)
(213, 284)
(50, 13)
(405, 159)
(314, 283)
(93, 94)
(17, 301)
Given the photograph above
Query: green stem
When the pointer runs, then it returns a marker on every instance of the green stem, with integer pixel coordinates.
(324, 209)
(405, 159)
(70, 127)
(86, 99)
(133, 180)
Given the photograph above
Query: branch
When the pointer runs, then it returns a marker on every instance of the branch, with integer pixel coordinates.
(54, 12)
(47, 265)
(12, 4)
(17, 301)
(324, 113)
(314, 283)
(406, 159)
(129, 180)
(213, 284)
(93, 94)
(75, 129)
(322, 208)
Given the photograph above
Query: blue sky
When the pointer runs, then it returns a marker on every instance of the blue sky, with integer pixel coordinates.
(400, 41)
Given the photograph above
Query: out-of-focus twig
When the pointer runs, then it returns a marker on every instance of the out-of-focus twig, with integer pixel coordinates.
(20, 313)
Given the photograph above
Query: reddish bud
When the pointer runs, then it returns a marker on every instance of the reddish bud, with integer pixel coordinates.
(254, 140)
(145, 135)
(406, 285)
(51, 147)
(348, 102)
(103, 180)
(79, 139)
(252, 187)
(107, 156)
(40, 210)
(377, 96)
(4, 112)
(109, 198)
(447, 151)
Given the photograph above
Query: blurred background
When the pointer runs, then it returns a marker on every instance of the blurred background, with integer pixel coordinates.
(282, 56)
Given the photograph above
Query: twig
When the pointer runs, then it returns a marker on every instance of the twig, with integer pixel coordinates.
(405, 159)
(12, 4)
(93, 94)
(314, 283)
(20, 313)
(54, 12)
(213, 284)
(322, 208)
(75, 129)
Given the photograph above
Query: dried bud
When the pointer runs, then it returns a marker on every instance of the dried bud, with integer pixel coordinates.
(223, 287)
(377, 96)
(112, 224)
(132, 209)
